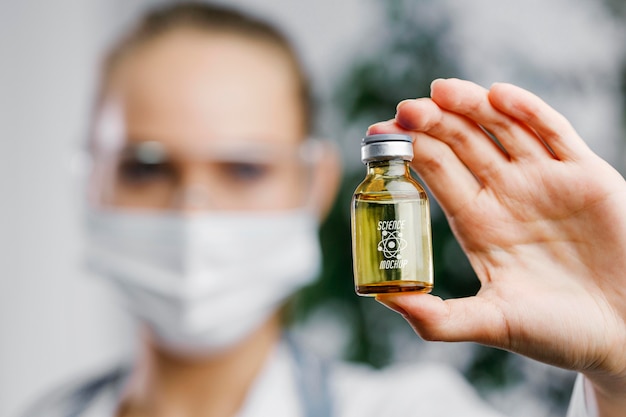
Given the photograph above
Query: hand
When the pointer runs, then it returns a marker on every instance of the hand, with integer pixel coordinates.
(542, 220)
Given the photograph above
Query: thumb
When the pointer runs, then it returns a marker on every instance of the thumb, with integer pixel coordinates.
(463, 319)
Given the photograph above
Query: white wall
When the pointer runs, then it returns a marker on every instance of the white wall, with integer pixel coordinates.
(53, 322)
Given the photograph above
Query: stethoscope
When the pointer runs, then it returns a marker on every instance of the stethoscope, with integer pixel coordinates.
(312, 379)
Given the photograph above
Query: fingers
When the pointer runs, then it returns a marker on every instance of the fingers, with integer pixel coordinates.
(449, 180)
(468, 141)
(450, 151)
(457, 320)
(523, 124)
(451, 144)
(552, 127)
(472, 101)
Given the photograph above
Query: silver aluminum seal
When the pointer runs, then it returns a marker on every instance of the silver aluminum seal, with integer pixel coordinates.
(386, 146)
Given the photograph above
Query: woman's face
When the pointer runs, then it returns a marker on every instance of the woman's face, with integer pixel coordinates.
(203, 122)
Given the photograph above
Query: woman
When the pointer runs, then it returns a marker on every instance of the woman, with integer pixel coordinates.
(205, 198)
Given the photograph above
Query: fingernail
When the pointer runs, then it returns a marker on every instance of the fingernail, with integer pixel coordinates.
(401, 103)
(378, 125)
(395, 116)
(390, 304)
(432, 84)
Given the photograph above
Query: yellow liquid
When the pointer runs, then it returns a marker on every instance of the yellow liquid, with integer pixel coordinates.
(391, 243)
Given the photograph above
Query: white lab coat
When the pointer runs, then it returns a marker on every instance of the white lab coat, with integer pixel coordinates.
(356, 391)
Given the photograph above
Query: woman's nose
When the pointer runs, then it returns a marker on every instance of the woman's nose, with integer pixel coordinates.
(192, 198)
(195, 190)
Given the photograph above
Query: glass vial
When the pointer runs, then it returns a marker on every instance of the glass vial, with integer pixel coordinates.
(391, 233)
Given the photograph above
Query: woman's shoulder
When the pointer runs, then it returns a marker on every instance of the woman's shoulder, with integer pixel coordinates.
(77, 398)
(405, 389)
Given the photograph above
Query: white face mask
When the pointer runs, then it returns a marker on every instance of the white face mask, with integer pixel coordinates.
(204, 282)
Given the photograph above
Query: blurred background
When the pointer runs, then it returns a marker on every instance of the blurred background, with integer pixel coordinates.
(58, 323)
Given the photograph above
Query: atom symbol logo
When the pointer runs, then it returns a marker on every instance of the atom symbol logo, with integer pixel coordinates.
(391, 244)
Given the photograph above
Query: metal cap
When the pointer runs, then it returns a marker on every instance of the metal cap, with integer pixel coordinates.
(386, 146)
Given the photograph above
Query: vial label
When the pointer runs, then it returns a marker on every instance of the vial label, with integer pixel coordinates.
(391, 244)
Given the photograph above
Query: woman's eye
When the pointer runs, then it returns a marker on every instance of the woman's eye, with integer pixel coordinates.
(138, 172)
(245, 171)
